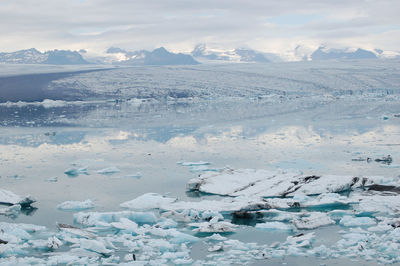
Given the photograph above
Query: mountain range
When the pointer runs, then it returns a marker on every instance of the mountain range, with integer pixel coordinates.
(238, 55)
(161, 56)
(33, 56)
(324, 54)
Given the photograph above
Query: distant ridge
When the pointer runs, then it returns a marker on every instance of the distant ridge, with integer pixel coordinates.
(33, 56)
(323, 54)
(159, 56)
(236, 55)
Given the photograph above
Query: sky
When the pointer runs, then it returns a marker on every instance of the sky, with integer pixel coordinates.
(269, 26)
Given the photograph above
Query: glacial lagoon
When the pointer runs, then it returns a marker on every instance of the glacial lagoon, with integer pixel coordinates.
(130, 140)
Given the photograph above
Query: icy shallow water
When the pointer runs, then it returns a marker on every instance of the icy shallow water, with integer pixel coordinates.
(141, 129)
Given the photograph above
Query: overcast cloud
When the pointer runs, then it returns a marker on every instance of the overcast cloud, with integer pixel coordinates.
(269, 26)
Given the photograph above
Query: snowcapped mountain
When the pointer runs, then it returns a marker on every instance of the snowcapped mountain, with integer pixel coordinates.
(159, 56)
(29, 56)
(33, 56)
(326, 54)
(235, 55)
(63, 57)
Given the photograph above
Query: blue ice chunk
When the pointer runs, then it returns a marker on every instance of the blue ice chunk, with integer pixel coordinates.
(74, 172)
(357, 221)
(274, 226)
(108, 171)
(179, 238)
(166, 223)
(105, 218)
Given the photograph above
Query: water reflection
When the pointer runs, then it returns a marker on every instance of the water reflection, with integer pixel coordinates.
(125, 136)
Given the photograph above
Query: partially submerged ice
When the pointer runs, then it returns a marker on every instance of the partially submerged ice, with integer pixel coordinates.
(76, 205)
(10, 198)
(108, 171)
(148, 201)
(74, 172)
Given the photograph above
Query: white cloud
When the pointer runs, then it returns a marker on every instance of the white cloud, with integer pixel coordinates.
(270, 26)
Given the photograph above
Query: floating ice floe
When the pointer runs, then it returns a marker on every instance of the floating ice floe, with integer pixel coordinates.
(193, 163)
(46, 103)
(313, 220)
(52, 179)
(126, 225)
(94, 246)
(301, 240)
(201, 168)
(357, 221)
(263, 183)
(103, 219)
(52, 243)
(13, 235)
(108, 171)
(148, 201)
(74, 172)
(77, 232)
(377, 203)
(10, 198)
(137, 175)
(11, 211)
(76, 205)
(216, 248)
(274, 226)
(213, 226)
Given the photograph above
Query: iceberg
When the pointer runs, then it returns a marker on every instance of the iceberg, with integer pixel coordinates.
(52, 243)
(74, 172)
(148, 201)
(274, 226)
(126, 225)
(263, 183)
(213, 226)
(193, 163)
(95, 246)
(16, 233)
(180, 238)
(75, 231)
(103, 219)
(357, 221)
(10, 198)
(216, 248)
(76, 205)
(300, 240)
(313, 220)
(108, 171)
(11, 211)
